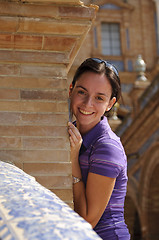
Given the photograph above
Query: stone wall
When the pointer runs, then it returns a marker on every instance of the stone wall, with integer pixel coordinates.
(38, 43)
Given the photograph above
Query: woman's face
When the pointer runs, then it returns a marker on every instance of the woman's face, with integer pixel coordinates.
(90, 98)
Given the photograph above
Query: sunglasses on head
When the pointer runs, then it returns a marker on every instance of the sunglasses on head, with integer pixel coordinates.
(107, 64)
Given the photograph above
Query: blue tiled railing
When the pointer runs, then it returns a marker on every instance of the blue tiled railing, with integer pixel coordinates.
(28, 211)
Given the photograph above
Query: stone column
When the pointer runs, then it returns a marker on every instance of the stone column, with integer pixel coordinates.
(38, 44)
(140, 84)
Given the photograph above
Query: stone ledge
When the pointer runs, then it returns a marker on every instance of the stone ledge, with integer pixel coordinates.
(58, 11)
(74, 2)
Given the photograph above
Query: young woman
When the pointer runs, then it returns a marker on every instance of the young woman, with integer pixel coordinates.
(99, 165)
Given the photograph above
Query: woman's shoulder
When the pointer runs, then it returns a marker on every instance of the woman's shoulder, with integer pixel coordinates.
(110, 146)
(109, 138)
(105, 134)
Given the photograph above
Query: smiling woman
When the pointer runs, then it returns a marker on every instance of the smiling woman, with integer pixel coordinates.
(90, 99)
(99, 165)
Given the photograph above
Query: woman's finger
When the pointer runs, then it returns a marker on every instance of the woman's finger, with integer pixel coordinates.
(75, 131)
(72, 142)
(75, 137)
(72, 136)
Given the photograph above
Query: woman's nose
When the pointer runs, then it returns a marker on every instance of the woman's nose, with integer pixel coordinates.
(88, 101)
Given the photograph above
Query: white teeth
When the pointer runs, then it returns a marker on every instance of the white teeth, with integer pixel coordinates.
(84, 112)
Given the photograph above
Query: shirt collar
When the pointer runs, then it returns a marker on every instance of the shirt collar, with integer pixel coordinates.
(95, 132)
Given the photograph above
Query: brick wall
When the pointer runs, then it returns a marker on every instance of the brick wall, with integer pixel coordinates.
(38, 43)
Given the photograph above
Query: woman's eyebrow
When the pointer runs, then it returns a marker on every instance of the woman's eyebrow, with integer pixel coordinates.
(103, 94)
(82, 87)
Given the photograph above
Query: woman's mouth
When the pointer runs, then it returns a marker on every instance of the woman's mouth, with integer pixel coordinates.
(85, 112)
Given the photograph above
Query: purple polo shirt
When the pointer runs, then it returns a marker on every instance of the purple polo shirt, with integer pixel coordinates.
(102, 153)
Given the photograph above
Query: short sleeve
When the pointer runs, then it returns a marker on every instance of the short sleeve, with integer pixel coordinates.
(107, 158)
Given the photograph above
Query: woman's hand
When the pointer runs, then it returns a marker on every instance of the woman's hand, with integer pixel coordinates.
(75, 139)
(75, 143)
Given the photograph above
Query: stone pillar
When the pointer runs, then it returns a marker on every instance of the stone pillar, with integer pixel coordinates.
(113, 119)
(138, 88)
(140, 85)
(38, 43)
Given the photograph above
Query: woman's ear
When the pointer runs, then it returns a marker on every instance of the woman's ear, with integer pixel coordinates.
(111, 103)
(70, 89)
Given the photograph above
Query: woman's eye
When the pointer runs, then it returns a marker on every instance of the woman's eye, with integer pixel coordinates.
(99, 98)
(81, 92)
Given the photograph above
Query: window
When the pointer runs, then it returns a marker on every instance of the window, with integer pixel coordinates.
(111, 33)
(111, 39)
(110, 6)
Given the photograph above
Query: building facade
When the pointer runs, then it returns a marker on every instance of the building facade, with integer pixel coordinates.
(124, 32)
(41, 45)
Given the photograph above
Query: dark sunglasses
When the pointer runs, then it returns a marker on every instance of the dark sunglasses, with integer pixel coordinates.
(107, 64)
